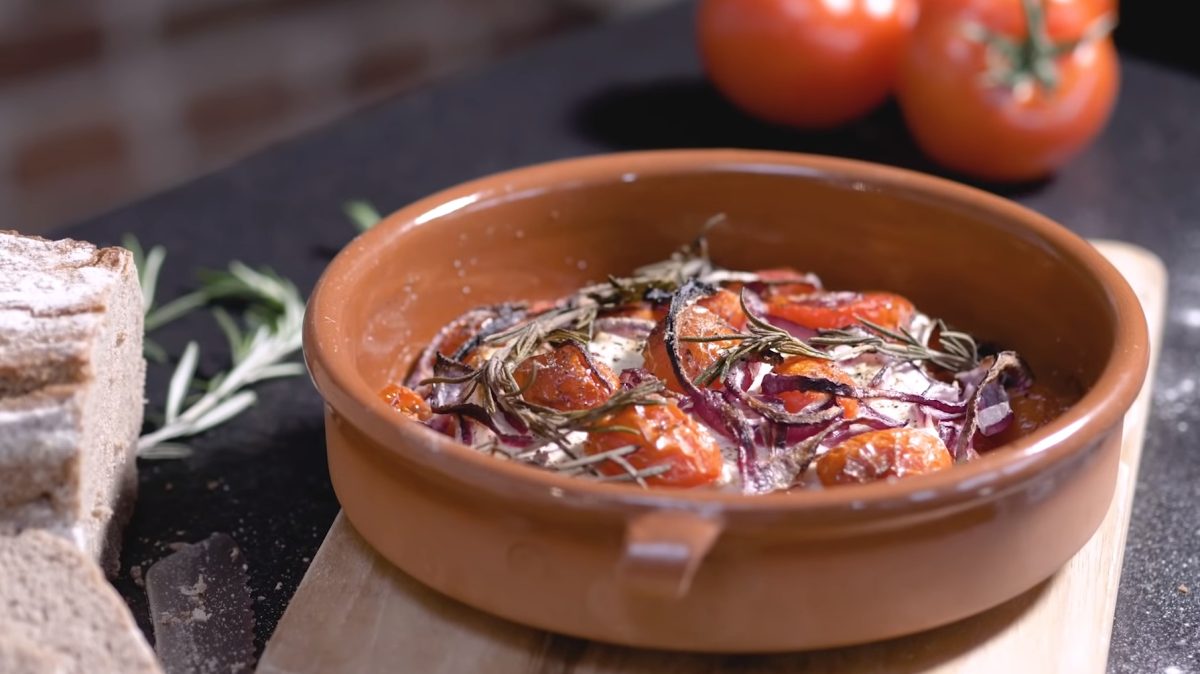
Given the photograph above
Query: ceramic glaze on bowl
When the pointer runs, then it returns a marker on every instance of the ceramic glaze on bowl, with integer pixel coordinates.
(702, 570)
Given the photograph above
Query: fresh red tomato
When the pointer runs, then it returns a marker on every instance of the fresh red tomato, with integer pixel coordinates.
(406, 401)
(565, 379)
(974, 110)
(695, 357)
(795, 401)
(663, 435)
(878, 455)
(806, 63)
(827, 311)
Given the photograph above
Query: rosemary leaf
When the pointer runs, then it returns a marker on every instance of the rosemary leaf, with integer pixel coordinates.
(262, 340)
(223, 411)
(181, 381)
(361, 213)
(166, 450)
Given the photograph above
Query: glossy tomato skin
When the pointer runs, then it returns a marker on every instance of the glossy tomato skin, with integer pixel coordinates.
(992, 131)
(695, 357)
(879, 455)
(805, 63)
(565, 379)
(831, 310)
(663, 434)
(795, 401)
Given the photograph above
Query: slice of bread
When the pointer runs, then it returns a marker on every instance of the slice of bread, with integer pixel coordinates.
(21, 656)
(58, 610)
(71, 390)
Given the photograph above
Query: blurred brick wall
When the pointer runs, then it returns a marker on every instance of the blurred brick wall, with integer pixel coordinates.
(104, 101)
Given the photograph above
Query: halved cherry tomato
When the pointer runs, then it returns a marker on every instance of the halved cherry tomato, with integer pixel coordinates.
(406, 401)
(663, 435)
(565, 379)
(727, 305)
(643, 310)
(460, 333)
(784, 281)
(794, 401)
(974, 111)
(807, 63)
(878, 455)
(827, 311)
(695, 357)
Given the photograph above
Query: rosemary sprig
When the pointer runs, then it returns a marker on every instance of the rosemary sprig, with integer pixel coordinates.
(361, 213)
(261, 340)
(958, 351)
(690, 262)
(761, 341)
(148, 265)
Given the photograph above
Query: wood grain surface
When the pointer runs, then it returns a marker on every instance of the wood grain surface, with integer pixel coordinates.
(354, 612)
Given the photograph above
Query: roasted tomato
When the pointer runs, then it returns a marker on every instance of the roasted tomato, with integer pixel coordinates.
(565, 379)
(807, 63)
(795, 401)
(878, 455)
(830, 310)
(727, 305)
(695, 357)
(784, 282)
(1031, 410)
(406, 401)
(642, 310)
(663, 435)
(459, 333)
(1009, 115)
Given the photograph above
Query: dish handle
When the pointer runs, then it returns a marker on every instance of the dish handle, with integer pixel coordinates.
(663, 550)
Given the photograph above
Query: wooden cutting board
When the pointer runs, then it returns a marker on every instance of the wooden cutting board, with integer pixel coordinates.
(354, 612)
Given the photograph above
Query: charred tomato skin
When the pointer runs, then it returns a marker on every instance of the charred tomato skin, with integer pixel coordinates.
(565, 379)
(663, 434)
(695, 357)
(883, 454)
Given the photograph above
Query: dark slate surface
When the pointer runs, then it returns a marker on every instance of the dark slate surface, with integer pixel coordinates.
(633, 85)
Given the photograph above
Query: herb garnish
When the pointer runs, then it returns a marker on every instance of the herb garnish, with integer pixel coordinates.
(762, 340)
(958, 353)
(262, 339)
(495, 388)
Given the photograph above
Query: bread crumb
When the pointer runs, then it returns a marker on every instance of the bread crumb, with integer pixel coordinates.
(135, 572)
(212, 484)
(168, 486)
(1184, 589)
(200, 615)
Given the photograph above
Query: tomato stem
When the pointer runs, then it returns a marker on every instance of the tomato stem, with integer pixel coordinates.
(1031, 60)
(1038, 51)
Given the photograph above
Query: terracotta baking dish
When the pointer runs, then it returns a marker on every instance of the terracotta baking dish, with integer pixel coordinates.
(708, 571)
